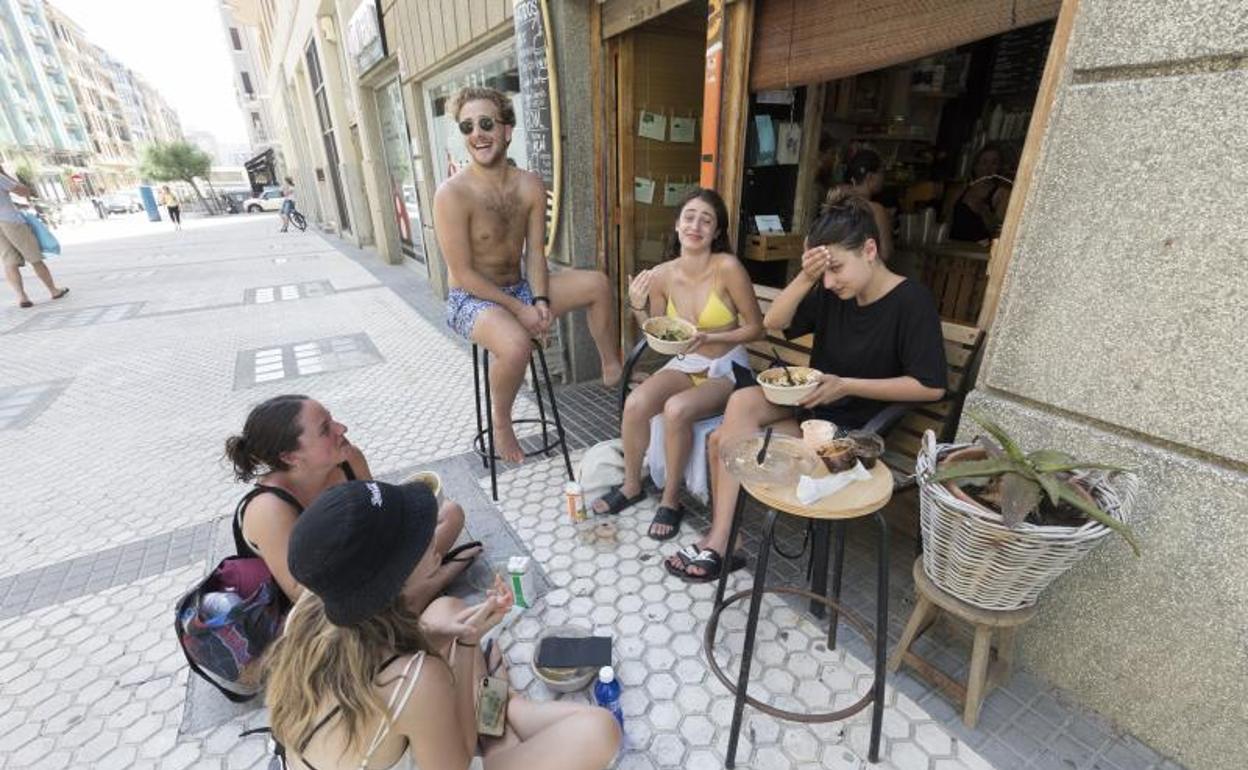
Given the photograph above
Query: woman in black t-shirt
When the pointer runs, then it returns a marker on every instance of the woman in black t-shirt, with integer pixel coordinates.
(877, 340)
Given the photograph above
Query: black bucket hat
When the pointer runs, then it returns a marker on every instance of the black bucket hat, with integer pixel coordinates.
(357, 543)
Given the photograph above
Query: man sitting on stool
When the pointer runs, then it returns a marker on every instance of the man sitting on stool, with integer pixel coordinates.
(489, 218)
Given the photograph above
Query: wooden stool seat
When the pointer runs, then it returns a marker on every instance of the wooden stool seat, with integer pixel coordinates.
(984, 673)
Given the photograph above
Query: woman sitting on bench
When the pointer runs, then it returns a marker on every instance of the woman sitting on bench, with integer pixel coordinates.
(877, 340)
(295, 450)
(709, 287)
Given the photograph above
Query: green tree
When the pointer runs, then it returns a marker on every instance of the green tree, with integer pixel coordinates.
(177, 161)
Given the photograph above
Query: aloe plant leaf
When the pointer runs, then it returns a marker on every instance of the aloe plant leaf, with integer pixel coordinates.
(1043, 459)
(972, 468)
(1007, 443)
(1052, 486)
(990, 447)
(1068, 494)
(1019, 497)
(1076, 466)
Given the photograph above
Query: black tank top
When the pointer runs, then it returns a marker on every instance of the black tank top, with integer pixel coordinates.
(244, 548)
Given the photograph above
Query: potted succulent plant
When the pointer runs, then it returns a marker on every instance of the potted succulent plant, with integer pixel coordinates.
(1000, 524)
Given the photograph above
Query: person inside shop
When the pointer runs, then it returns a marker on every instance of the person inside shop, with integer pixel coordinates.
(294, 450)
(490, 220)
(702, 282)
(877, 341)
(373, 671)
(864, 177)
(979, 209)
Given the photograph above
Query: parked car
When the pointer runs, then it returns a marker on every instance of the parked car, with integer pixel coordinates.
(269, 200)
(122, 203)
(235, 200)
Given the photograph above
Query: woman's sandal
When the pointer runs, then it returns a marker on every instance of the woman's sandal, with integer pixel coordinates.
(453, 555)
(669, 517)
(709, 560)
(616, 502)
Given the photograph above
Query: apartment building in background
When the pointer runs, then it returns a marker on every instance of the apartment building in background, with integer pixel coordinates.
(70, 113)
(40, 121)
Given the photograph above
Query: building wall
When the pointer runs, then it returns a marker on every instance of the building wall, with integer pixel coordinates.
(1120, 338)
(39, 112)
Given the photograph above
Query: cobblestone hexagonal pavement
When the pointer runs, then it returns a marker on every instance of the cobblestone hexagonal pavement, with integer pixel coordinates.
(114, 404)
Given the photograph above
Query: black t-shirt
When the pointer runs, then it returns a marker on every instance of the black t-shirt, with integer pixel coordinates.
(898, 335)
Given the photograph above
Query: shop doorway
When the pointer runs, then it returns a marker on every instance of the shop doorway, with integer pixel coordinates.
(655, 72)
(326, 123)
(941, 131)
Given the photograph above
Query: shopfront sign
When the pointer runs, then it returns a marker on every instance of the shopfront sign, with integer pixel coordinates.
(535, 61)
(366, 43)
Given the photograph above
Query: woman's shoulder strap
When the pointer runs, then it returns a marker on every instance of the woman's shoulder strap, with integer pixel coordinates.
(241, 546)
(398, 701)
(347, 470)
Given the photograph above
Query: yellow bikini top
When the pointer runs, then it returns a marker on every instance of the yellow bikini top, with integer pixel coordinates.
(715, 314)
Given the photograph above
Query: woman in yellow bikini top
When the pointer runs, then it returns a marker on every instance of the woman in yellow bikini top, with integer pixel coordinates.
(697, 383)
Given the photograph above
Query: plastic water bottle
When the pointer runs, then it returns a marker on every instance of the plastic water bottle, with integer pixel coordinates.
(215, 606)
(607, 693)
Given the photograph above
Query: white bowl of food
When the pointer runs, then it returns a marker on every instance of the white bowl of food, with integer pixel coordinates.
(668, 336)
(563, 679)
(790, 384)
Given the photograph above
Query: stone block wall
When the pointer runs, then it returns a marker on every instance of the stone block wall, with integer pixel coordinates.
(1120, 337)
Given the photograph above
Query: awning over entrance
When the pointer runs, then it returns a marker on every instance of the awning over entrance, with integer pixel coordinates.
(261, 163)
(810, 41)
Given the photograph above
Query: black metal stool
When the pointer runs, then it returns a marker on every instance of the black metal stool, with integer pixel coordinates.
(481, 370)
(874, 697)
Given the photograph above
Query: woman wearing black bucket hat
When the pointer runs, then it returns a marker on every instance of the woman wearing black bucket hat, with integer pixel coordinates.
(372, 672)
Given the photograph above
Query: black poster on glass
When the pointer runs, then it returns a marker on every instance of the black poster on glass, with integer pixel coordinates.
(539, 102)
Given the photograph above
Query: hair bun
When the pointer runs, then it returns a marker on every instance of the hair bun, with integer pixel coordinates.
(836, 196)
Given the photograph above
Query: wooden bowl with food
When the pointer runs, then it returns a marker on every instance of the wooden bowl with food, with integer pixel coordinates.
(668, 336)
(787, 385)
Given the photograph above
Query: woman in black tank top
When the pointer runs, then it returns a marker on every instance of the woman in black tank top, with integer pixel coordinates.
(293, 449)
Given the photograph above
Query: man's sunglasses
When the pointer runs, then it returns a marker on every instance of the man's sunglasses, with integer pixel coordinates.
(485, 123)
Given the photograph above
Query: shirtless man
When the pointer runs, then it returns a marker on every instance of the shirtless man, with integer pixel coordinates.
(490, 218)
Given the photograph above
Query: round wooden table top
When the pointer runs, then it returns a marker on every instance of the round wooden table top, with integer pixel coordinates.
(861, 498)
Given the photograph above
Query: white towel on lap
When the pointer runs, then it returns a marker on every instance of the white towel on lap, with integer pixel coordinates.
(695, 472)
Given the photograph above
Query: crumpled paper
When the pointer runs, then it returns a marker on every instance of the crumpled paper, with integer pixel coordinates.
(810, 490)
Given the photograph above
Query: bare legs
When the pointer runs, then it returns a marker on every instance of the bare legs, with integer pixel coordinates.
(13, 275)
(644, 402)
(679, 415)
(502, 335)
(591, 289)
(747, 413)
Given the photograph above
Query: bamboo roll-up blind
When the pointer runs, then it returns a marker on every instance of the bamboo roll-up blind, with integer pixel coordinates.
(810, 41)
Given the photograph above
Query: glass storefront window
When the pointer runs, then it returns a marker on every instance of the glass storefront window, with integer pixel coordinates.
(495, 68)
(395, 143)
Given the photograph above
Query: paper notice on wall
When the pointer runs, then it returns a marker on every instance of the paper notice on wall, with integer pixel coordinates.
(643, 190)
(684, 129)
(652, 125)
(675, 192)
(788, 143)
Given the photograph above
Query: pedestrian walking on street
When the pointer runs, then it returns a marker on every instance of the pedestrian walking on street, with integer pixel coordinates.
(372, 671)
(18, 244)
(288, 202)
(174, 206)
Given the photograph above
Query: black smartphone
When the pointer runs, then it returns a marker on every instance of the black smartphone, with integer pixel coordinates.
(564, 652)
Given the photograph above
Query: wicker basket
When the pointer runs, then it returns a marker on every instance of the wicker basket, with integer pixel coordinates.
(970, 553)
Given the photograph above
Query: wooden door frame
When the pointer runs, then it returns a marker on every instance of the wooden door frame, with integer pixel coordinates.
(1050, 82)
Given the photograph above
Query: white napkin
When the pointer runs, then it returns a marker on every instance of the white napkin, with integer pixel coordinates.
(810, 491)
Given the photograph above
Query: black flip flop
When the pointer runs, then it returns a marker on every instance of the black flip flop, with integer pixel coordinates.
(616, 502)
(709, 560)
(453, 555)
(666, 516)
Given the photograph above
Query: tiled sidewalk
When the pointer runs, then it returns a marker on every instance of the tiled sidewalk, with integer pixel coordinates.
(116, 517)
